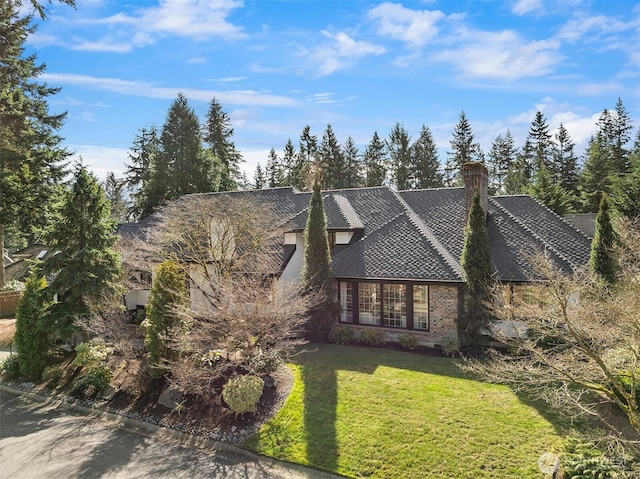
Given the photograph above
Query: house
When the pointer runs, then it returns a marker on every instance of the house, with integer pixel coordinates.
(18, 268)
(396, 254)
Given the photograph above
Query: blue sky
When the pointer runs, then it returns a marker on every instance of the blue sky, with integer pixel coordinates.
(362, 66)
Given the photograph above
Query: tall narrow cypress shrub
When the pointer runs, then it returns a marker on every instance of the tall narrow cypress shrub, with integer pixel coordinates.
(316, 270)
(602, 261)
(478, 271)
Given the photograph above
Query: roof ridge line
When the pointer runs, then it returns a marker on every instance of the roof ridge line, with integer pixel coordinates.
(430, 237)
(519, 222)
(338, 199)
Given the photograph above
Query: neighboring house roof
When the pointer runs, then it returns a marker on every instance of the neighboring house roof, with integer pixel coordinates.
(22, 259)
(419, 234)
(585, 222)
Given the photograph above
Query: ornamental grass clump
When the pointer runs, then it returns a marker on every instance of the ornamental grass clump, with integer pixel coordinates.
(243, 393)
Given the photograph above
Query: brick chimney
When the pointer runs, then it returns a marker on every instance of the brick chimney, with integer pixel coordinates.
(475, 175)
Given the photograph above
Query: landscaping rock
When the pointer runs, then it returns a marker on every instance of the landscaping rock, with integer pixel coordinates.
(170, 397)
(108, 393)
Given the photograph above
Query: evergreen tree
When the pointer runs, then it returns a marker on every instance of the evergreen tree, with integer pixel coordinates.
(478, 271)
(542, 147)
(259, 178)
(352, 165)
(308, 148)
(595, 177)
(399, 147)
(275, 174)
(114, 193)
(331, 160)
(548, 190)
(502, 158)
(316, 270)
(31, 159)
(375, 160)
(192, 171)
(464, 150)
(519, 174)
(168, 292)
(218, 134)
(425, 163)
(616, 130)
(602, 261)
(289, 163)
(33, 337)
(626, 188)
(86, 267)
(565, 161)
(143, 154)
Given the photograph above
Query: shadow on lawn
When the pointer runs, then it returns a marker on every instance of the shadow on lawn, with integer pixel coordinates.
(320, 364)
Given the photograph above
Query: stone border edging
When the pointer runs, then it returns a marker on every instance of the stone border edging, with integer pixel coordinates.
(148, 430)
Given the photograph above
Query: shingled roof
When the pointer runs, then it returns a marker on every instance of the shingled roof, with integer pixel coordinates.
(419, 234)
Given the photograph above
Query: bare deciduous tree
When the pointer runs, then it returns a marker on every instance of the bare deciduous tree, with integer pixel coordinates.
(581, 353)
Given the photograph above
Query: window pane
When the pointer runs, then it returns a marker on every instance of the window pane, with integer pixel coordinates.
(369, 303)
(395, 305)
(420, 306)
(346, 302)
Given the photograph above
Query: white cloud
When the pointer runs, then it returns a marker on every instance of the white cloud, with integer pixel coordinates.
(101, 159)
(522, 7)
(598, 26)
(501, 56)
(342, 52)
(414, 27)
(151, 90)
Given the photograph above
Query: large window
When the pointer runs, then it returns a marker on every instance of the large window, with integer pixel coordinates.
(346, 302)
(420, 306)
(369, 303)
(395, 305)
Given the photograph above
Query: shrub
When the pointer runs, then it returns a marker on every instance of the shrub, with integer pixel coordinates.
(372, 337)
(408, 341)
(449, 344)
(13, 285)
(265, 362)
(341, 334)
(584, 461)
(243, 393)
(93, 380)
(33, 336)
(92, 352)
(52, 375)
(10, 366)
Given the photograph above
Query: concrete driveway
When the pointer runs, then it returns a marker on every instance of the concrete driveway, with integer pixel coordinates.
(48, 440)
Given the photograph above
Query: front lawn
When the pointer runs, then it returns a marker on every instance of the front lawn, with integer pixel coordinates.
(364, 412)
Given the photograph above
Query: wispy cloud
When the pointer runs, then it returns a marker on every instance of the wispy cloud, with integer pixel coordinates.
(414, 27)
(151, 90)
(342, 51)
(522, 7)
(501, 56)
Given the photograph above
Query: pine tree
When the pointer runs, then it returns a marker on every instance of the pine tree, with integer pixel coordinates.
(307, 151)
(595, 177)
(478, 271)
(259, 178)
(352, 165)
(274, 173)
(565, 161)
(542, 146)
(464, 150)
(167, 293)
(289, 156)
(114, 193)
(33, 337)
(375, 160)
(31, 159)
(400, 159)
(331, 160)
(218, 134)
(549, 191)
(86, 267)
(143, 154)
(316, 269)
(616, 129)
(602, 261)
(425, 163)
(519, 174)
(502, 157)
(626, 188)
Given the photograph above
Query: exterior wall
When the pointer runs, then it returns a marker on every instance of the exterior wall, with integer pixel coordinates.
(343, 237)
(136, 297)
(291, 273)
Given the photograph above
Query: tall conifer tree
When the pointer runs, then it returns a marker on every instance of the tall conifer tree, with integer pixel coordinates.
(602, 261)
(375, 160)
(400, 159)
(218, 134)
(478, 271)
(425, 164)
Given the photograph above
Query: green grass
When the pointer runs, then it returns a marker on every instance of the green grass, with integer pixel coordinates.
(364, 412)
